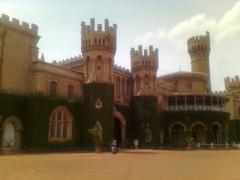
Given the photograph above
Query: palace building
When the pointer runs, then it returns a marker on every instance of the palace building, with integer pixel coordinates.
(44, 105)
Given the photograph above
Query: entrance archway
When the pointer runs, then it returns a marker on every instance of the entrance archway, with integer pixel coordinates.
(11, 138)
(119, 132)
(199, 132)
(217, 133)
(178, 134)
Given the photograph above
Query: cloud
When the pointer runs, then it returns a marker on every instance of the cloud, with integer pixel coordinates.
(225, 37)
(5, 8)
(227, 26)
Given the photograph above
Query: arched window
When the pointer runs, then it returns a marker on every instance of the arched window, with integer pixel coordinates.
(60, 124)
(53, 89)
(70, 93)
(99, 68)
(146, 83)
(138, 83)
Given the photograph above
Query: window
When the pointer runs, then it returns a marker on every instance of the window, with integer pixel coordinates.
(53, 89)
(70, 93)
(189, 86)
(60, 125)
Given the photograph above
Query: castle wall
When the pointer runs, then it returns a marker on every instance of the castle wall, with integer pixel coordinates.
(19, 50)
(232, 91)
(44, 73)
(122, 86)
(186, 82)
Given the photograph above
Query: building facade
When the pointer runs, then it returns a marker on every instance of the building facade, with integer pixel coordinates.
(45, 104)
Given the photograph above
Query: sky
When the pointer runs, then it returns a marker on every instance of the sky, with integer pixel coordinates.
(164, 24)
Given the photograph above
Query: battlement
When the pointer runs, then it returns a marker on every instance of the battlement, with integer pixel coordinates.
(199, 45)
(232, 83)
(122, 69)
(15, 24)
(144, 58)
(221, 92)
(98, 38)
(201, 38)
(68, 60)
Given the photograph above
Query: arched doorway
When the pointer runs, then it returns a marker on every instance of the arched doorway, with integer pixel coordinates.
(217, 133)
(119, 133)
(11, 138)
(199, 132)
(178, 134)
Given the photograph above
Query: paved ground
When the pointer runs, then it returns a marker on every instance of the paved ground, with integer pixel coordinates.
(129, 165)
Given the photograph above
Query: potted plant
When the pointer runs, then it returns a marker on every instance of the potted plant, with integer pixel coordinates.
(8, 147)
(190, 141)
(97, 138)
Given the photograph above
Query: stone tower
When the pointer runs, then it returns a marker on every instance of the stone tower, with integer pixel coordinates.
(144, 67)
(199, 49)
(98, 50)
(18, 49)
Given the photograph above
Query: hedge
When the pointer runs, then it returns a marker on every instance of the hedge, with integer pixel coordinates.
(34, 112)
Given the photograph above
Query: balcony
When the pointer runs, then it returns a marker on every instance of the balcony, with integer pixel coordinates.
(193, 102)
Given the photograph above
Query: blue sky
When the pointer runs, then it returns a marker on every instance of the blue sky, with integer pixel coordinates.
(164, 24)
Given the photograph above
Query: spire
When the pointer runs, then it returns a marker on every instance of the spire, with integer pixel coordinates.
(42, 58)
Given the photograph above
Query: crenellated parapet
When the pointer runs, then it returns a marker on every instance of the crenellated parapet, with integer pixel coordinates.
(69, 60)
(16, 25)
(98, 38)
(144, 58)
(232, 83)
(221, 92)
(199, 45)
(122, 69)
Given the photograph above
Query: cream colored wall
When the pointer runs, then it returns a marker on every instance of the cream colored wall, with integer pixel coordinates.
(44, 74)
(124, 94)
(232, 91)
(233, 106)
(143, 90)
(19, 50)
(197, 86)
(90, 67)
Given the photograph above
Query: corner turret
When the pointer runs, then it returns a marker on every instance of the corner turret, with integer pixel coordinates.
(199, 50)
(144, 65)
(98, 39)
(98, 50)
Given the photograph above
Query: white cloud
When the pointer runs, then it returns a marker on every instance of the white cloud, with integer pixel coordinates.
(227, 26)
(225, 35)
(5, 8)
